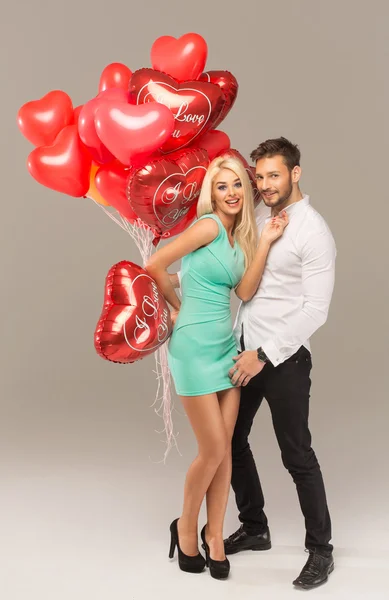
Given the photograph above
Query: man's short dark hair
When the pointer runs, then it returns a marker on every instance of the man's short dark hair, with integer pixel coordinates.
(278, 146)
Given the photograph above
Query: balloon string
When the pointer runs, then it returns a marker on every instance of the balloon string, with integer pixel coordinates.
(111, 216)
(143, 237)
(164, 398)
(141, 233)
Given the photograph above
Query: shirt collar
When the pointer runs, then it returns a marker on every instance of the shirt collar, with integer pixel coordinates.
(295, 207)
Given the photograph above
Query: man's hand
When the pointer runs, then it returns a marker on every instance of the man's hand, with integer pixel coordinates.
(246, 366)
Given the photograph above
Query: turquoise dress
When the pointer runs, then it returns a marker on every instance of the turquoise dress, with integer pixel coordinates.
(202, 343)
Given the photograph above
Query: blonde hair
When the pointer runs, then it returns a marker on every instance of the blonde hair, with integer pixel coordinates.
(245, 228)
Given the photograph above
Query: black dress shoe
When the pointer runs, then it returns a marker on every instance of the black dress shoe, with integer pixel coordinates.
(315, 571)
(240, 540)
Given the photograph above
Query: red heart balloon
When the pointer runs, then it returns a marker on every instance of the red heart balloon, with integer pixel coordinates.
(214, 142)
(250, 172)
(40, 121)
(132, 133)
(76, 114)
(196, 105)
(111, 182)
(115, 75)
(87, 127)
(181, 225)
(135, 319)
(228, 84)
(163, 191)
(65, 166)
(183, 58)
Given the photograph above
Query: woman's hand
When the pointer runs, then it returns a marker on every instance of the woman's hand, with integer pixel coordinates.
(275, 228)
(173, 316)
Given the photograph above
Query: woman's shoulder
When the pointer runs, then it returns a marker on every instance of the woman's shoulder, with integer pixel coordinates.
(209, 221)
(204, 229)
(209, 216)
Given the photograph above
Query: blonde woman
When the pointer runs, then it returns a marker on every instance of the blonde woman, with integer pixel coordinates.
(220, 252)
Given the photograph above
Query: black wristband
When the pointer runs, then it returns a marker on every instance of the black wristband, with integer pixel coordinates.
(262, 356)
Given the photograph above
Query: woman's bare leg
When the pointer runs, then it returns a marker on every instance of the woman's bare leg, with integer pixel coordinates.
(207, 422)
(217, 493)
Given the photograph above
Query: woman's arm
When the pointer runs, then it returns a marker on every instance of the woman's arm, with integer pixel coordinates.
(174, 280)
(200, 234)
(252, 278)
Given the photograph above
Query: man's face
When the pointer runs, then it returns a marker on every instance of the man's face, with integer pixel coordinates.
(274, 180)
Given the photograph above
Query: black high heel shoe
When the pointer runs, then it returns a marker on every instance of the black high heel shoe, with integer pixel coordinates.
(190, 564)
(219, 569)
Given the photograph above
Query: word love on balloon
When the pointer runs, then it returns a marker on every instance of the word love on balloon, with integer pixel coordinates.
(162, 192)
(135, 320)
(196, 105)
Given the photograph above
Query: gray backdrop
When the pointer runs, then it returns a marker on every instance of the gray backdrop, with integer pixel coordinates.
(79, 457)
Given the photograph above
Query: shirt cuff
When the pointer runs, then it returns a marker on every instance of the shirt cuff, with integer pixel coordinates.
(272, 353)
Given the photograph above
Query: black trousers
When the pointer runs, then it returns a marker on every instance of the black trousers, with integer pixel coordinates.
(286, 389)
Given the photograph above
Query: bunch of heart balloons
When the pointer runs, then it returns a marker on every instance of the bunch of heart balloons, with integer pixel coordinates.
(140, 147)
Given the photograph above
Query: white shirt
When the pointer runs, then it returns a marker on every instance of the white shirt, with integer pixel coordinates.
(294, 295)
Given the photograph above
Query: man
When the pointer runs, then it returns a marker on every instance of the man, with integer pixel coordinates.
(272, 332)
